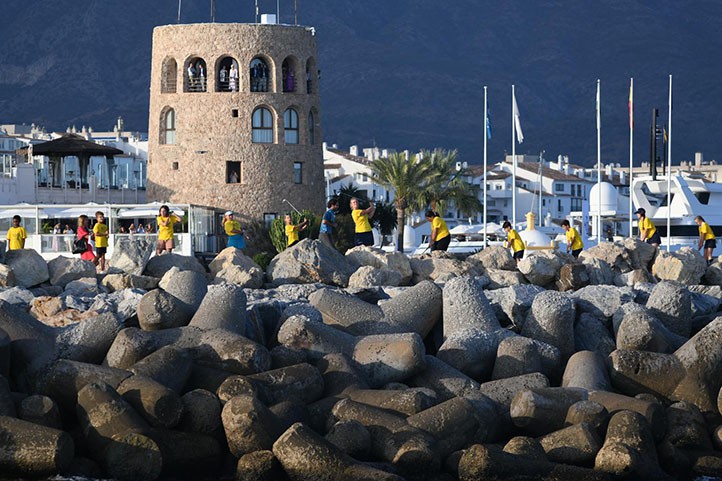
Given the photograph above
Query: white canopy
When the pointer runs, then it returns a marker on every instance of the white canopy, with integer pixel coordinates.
(147, 211)
(463, 229)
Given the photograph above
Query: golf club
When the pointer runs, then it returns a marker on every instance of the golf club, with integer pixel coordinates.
(287, 202)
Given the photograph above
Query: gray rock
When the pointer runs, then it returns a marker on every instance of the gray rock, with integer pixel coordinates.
(189, 287)
(223, 307)
(551, 320)
(85, 287)
(613, 253)
(640, 253)
(18, 296)
(519, 355)
(592, 334)
(639, 329)
(351, 437)
(599, 271)
(417, 309)
(63, 270)
(572, 277)
(602, 301)
(160, 310)
(439, 265)
(252, 278)
(7, 276)
(131, 254)
(29, 267)
(465, 305)
(367, 276)
(231, 256)
(503, 390)
(671, 303)
(158, 265)
(513, 303)
(685, 266)
(118, 282)
(500, 278)
(310, 261)
(124, 303)
(713, 275)
(373, 257)
(704, 304)
(494, 257)
(541, 268)
(577, 444)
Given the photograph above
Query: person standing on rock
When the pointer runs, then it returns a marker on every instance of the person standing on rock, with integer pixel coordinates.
(233, 229)
(574, 240)
(100, 232)
(328, 223)
(707, 238)
(84, 232)
(16, 235)
(166, 220)
(363, 235)
(440, 235)
(293, 230)
(647, 231)
(513, 240)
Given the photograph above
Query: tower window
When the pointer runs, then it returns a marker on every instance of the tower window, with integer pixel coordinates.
(174, 165)
(298, 172)
(169, 76)
(311, 129)
(259, 75)
(234, 113)
(290, 125)
(262, 124)
(196, 75)
(234, 172)
(167, 127)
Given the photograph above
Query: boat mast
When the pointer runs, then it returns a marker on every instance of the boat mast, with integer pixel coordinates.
(599, 167)
(631, 151)
(669, 170)
(486, 135)
(513, 157)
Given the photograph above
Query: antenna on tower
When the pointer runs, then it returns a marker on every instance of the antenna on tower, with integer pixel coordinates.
(256, 11)
(295, 12)
(213, 11)
(179, 10)
(278, 11)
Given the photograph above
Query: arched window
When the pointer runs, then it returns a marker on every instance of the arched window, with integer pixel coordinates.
(311, 129)
(227, 75)
(290, 126)
(262, 124)
(260, 75)
(167, 126)
(311, 78)
(289, 75)
(169, 76)
(196, 75)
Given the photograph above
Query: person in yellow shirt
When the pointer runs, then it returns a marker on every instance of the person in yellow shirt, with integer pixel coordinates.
(574, 240)
(440, 236)
(293, 230)
(514, 241)
(236, 237)
(166, 220)
(16, 235)
(707, 238)
(100, 234)
(647, 231)
(363, 234)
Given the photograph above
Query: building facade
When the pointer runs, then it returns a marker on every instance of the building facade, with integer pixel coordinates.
(235, 118)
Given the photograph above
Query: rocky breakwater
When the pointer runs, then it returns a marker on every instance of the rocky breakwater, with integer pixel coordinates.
(364, 366)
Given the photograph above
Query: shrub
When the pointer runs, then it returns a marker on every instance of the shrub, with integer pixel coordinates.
(277, 232)
(263, 259)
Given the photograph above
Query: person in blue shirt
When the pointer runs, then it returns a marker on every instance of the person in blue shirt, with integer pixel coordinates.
(328, 223)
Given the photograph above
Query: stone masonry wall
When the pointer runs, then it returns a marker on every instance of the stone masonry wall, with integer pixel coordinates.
(208, 134)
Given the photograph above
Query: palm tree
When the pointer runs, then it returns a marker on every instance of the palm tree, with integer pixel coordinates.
(406, 177)
(348, 192)
(448, 184)
(385, 219)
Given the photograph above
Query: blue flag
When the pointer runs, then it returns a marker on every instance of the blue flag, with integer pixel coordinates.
(488, 126)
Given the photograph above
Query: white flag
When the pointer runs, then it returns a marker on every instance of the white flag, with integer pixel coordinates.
(599, 115)
(517, 121)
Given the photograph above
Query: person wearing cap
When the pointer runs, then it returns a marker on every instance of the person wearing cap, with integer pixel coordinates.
(440, 236)
(707, 238)
(647, 231)
(514, 241)
(233, 229)
(574, 240)
(293, 230)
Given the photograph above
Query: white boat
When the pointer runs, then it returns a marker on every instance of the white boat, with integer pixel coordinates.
(691, 196)
(467, 239)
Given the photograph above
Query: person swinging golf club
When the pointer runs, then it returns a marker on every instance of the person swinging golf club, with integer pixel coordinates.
(361, 217)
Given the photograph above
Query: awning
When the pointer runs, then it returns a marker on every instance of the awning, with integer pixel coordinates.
(145, 212)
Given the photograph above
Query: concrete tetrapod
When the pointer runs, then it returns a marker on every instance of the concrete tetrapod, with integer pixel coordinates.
(223, 307)
(168, 366)
(113, 431)
(543, 410)
(160, 406)
(586, 369)
(249, 425)
(382, 358)
(29, 449)
(306, 456)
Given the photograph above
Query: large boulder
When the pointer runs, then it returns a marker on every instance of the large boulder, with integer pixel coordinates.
(371, 256)
(640, 253)
(131, 254)
(598, 270)
(500, 278)
(494, 257)
(713, 276)
(686, 266)
(63, 270)
(7, 276)
(29, 267)
(231, 256)
(572, 277)
(551, 320)
(602, 301)
(513, 303)
(308, 262)
(671, 303)
(540, 268)
(613, 253)
(157, 266)
(439, 266)
(251, 278)
(118, 282)
(368, 276)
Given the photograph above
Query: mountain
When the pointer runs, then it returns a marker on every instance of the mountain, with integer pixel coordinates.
(404, 74)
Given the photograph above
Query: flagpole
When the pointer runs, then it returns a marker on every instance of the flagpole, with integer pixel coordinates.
(486, 134)
(513, 159)
(631, 150)
(669, 170)
(599, 165)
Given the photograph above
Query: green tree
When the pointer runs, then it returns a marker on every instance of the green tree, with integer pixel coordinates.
(385, 220)
(277, 232)
(448, 184)
(406, 176)
(348, 192)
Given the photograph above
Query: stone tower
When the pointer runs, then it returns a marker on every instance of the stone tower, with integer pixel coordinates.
(235, 118)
